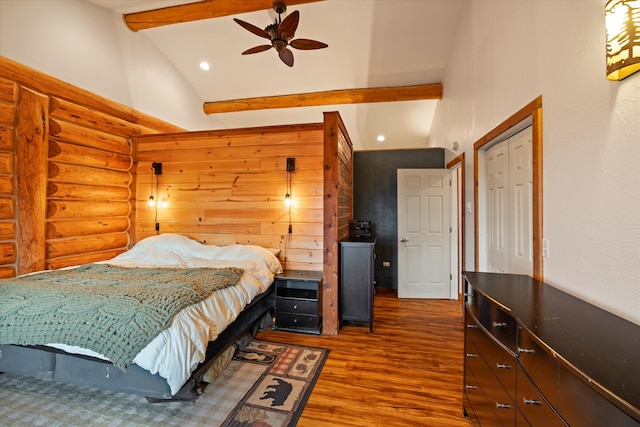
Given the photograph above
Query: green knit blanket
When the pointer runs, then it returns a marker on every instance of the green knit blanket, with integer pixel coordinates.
(111, 310)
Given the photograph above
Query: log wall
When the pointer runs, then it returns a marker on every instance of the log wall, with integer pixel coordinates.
(8, 243)
(66, 178)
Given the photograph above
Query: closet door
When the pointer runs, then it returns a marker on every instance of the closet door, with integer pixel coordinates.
(498, 208)
(521, 197)
(509, 200)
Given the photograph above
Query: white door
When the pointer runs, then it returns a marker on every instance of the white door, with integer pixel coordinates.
(521, 197)
(423, 233)
(498, 208)
(509, 186)
(455, 236)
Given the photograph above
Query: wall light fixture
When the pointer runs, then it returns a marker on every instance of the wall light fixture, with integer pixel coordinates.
(157, 170)
(291, 167)
(622, 19)
(288, 201)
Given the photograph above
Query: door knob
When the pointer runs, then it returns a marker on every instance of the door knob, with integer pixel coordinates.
(404, 240)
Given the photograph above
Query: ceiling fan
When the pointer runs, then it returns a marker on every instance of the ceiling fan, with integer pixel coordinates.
(281, 34)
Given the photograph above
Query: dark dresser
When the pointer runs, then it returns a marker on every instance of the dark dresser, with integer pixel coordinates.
(537, 356)
(357, 284)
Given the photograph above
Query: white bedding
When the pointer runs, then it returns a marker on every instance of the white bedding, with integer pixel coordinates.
(178, 350)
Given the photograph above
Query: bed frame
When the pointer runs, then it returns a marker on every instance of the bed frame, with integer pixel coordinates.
(57, 365)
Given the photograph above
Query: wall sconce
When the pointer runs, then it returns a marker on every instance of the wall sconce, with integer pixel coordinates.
(622, 19)
(157, 170)
(288, 201)
(291, 167)
(153, 203)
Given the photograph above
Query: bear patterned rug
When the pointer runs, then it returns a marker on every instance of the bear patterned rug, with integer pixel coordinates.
(266, 384)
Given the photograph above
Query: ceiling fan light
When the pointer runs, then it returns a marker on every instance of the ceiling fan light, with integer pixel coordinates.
(280, 45)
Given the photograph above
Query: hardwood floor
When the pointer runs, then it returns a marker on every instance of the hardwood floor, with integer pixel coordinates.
(408, 372)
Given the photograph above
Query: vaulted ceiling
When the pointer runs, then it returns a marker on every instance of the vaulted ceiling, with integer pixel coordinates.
(373, 45)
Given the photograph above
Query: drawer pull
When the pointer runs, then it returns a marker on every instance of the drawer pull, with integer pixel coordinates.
(470, 387)
(525, 350)
(295, 320)
(295, 307)
(503, 406)
(501, 366)
(471, 355)
(499, 324)
(530, 401)
(471, 326)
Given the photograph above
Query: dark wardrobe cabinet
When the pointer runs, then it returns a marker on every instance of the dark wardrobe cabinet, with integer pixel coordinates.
(357, 262)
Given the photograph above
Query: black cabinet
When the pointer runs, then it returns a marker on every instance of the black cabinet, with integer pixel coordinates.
(357, 257)
(299, 301)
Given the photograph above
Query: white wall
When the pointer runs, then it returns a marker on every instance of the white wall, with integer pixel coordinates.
(90, 47)
(508, 53)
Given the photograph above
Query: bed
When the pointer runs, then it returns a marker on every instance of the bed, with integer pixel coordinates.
(175, 361)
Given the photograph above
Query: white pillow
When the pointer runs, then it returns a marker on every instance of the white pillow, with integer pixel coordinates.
(275, 251)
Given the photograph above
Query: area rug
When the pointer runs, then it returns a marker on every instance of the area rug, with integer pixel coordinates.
(266, 384)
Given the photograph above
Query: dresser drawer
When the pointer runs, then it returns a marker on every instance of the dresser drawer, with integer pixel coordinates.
(297, 320)
(533, 406)
(468, 410)
(484, 414)
(499, 400)
(499, 324)
(472, 355)
(293, 305)
(501, 362)
(471, 299)
(581, 406)
(541, 367)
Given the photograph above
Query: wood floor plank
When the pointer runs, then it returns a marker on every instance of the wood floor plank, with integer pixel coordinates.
(408, 372)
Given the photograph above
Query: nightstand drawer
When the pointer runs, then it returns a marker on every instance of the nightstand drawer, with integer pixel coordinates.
(297, 320)
(296, 306)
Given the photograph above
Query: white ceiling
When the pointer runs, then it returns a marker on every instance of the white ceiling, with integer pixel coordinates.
(372, 43)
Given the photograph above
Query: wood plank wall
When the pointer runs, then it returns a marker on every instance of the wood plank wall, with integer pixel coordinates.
(65, 171)
(228, 186)
(338, 190)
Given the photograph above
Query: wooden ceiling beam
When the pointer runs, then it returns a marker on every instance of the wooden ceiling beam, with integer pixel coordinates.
(345, 96)
(196, 11)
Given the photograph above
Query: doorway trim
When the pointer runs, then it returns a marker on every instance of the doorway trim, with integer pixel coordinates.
(458, 162)
(533, 113)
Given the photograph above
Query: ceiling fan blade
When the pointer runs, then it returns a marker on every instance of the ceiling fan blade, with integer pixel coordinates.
(252, 28)
(288, 26)
(287, 57)
(306, 44)
(257, 49)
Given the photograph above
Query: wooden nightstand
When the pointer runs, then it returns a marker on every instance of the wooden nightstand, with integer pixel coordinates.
(299, 301)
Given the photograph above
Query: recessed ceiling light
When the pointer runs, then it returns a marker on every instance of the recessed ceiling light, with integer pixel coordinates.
(204, 65)
(381, 138)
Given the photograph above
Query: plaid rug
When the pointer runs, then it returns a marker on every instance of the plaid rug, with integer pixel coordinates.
(266, 384)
